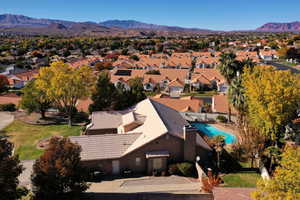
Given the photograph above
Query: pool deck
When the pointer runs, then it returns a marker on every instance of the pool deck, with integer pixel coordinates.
(229, 128)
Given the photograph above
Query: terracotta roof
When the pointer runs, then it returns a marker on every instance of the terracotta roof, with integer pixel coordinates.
(243, 55)
(165, 74)
(24, 76)
(200, 78)
(85, 61)
(210, 74)
(220, 104)
(181, 105)
(176, 83)
(10, 98)
(83, 105)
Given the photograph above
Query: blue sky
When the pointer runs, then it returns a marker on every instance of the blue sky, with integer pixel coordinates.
(211, 14)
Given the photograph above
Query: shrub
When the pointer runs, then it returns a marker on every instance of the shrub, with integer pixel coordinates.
(173, 169)
(222, 119)
(187, 169)
(8, 107)
(135, 57)
(153, 72)
(209, 182)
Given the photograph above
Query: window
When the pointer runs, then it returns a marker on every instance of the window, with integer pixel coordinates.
(138, 161)
(157, 163)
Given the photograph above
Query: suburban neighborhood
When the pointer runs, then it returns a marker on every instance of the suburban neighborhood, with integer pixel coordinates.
(122, 109)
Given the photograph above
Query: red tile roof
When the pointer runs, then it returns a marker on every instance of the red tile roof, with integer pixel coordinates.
(10, 98)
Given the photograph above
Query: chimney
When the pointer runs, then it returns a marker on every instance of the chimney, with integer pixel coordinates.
(189, 147)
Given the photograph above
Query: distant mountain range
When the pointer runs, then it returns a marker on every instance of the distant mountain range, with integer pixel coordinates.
(132, 24)
(20, 24)
(27, 25)
(280, 27)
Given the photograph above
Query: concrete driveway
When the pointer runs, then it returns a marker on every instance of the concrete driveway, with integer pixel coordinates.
(24, 178)
(5, 119)
(171, 184)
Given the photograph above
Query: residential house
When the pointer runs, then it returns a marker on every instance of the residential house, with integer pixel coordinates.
(211, 78)
(142, 139)
(169, 80)
(268, 55)
(19, 80)
(244, 55)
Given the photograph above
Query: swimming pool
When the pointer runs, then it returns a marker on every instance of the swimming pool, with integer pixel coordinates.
(211, 131)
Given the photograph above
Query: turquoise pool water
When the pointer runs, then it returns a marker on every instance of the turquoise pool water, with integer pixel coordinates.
(211, 131)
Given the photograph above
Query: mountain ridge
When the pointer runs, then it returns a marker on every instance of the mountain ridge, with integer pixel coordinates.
(280, 27)
(21, 24)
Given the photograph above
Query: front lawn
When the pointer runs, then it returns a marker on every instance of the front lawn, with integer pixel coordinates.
(25, 136)
(201, 94)
(241, 179)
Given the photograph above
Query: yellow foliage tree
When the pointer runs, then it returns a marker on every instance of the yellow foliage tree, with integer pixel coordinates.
(65, 85)
(285, 185)
(272, 98)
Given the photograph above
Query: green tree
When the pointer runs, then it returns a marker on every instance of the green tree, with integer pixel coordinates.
(273, 153)
(65, 85)
(58, 173)
(104, 95)
(34, 99)
(10, 169)
(3, 83)
(137, 92)
(285, 184)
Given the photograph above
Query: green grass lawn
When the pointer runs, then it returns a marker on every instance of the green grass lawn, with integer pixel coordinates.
(241, 179)
(201, 94)
(25, 136)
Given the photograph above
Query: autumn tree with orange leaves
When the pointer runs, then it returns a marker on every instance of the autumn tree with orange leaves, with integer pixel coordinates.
(58, 173)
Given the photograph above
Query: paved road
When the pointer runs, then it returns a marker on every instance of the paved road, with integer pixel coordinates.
(284, 67)
(5, 119)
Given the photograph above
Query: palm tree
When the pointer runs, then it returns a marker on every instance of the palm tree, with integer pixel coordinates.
(237, 98)
(230, 68)
(218, 143)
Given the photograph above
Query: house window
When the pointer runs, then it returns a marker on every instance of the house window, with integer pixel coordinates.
(138, 161)
(157, 163)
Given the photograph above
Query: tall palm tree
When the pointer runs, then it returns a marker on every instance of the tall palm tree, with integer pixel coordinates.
(237, 98)
(230, 68)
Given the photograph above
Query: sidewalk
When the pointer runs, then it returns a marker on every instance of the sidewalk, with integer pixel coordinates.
(5, 119)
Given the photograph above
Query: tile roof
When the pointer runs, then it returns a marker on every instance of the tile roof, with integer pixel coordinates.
(107, 146)
(182, 104)
(10, 98)
(210, 74)
(158, 120)
(220, 104)
(83, 104)
(176, 83)
(105, 120)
